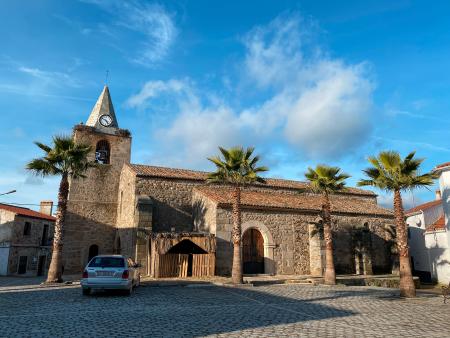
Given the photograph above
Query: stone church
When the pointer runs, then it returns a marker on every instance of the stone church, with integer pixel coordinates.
(176, 225)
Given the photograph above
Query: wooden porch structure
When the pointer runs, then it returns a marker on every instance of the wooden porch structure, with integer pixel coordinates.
(183, 255)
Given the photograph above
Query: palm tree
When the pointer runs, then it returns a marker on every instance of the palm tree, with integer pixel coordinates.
(391, 173)
(327, 180)
(237, 168)
(68, 160)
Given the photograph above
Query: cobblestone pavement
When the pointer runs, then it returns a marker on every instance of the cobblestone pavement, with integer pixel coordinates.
(266, 311)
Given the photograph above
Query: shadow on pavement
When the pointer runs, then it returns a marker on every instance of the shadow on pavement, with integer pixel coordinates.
(195, 310)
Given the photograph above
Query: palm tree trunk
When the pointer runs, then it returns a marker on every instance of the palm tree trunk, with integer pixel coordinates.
(407, 287)
(55, 270)
(330, 274)
(236, 272)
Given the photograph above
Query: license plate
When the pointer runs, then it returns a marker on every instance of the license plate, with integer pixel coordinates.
(105, 273)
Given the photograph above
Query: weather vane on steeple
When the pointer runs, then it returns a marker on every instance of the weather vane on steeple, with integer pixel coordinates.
(106, 77)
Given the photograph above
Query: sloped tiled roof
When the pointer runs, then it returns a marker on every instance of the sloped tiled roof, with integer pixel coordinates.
(300, 202)
(26, 212)
(438, 225)
(446, 164)
(423, 206)
(163, 172)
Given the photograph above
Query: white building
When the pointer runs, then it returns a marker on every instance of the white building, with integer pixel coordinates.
(428, 232)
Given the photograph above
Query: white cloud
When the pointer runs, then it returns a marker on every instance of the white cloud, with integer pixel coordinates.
(331, 117)
(50, 77)
(155, 88)
(150, 20)
(274, 51)
(319, 105)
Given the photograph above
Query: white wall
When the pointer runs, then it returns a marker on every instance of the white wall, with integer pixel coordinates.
(438, 249)
(418, 249)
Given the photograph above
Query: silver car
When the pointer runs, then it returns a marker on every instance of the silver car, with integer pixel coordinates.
(110, 272)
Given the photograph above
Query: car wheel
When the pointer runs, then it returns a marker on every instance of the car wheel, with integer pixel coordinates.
(86, 291)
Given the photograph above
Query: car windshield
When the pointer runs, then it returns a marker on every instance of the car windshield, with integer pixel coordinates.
(107, 262)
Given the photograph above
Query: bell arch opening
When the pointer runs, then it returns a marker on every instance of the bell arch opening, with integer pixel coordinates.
(102, 152)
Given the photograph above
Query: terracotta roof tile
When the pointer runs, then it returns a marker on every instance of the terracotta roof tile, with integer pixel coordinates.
(26, 212)
(438, 225)
(163, 172)
(424, 206)
(446, 164)
(304, 202)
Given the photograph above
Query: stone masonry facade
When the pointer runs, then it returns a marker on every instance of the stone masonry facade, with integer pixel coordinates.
(25, 241)
(119, 206)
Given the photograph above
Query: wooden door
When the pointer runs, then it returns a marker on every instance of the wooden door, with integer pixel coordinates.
(173, 265)
(253, 252)
(22, 265)
(203, 265)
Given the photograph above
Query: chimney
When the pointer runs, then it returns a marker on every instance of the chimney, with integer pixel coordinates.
(46, 207)
(438, 195)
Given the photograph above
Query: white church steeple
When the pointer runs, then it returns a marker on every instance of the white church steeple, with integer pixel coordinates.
(102, 115)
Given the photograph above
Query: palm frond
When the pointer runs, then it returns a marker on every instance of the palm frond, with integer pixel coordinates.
(326, 179)
(236, 166)
(390, 172)
(64, 157)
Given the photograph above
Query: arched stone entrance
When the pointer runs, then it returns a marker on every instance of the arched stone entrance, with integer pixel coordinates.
(252, 252)
(262, 245)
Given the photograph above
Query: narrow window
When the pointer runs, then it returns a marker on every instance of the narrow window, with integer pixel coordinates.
(102, 151)
(27, 229)
(44, 240)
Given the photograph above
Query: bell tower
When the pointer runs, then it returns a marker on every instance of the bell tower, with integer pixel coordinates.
(92, 203)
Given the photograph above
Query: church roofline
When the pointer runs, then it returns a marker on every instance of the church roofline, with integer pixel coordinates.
(305, 203)
(193, 175)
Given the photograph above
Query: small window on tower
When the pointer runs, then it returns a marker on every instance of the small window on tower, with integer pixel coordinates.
(102, 152)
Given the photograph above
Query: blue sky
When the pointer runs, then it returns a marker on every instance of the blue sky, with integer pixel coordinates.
(305, 82)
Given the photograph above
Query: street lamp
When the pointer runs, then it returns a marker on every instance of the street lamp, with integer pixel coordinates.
(9, 192)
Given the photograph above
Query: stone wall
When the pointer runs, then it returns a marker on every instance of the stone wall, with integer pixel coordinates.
(172, 202)
(126, 209)
(6, 226)
(204, 213)
(291, 233)
(12, 227)
(93, 202)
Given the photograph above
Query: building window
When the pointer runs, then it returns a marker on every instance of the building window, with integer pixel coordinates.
(27, 229)
(409, 232)
(22, 268)
(44, 240)
(102, 152)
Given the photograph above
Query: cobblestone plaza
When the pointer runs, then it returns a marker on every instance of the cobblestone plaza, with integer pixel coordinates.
(199, 310)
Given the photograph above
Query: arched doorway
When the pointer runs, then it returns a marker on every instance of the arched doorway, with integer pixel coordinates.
(93, 251)
(253, 252)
